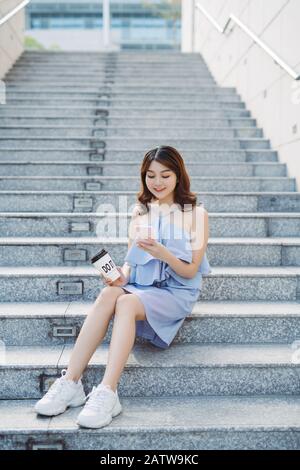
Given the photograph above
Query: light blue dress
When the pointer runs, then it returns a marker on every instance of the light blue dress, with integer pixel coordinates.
(167, 297)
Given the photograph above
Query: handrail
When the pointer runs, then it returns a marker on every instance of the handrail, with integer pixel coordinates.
(255, 38)
(13, 12)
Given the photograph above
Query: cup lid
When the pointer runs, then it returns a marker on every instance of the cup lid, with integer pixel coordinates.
(98, 255)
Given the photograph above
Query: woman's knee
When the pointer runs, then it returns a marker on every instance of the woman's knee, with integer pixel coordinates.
(110, 293)
(130, 305)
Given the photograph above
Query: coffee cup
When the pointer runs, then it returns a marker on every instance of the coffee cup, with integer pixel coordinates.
(103, 262)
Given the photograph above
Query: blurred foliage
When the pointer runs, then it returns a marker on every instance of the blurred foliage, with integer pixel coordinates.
(167, 9)
(32, 44)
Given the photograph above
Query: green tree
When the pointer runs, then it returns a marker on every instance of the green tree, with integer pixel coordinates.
(166, 9)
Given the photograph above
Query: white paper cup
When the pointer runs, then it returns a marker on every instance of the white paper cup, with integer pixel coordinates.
(103, 262)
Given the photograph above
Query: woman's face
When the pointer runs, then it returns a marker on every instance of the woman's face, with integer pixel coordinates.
(161, 181)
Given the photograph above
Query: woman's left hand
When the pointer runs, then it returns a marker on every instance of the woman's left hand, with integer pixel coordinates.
(120, 281)
(153, 247)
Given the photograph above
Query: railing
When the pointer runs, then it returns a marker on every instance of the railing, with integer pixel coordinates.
(255, 38)
(13, 12)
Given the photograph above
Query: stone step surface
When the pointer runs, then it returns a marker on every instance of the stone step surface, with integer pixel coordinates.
(92, 201)
(203, 422)
(94, 183)
(122, 99)
(154, 89)
(61, 283)
(122, 65)
(127, 158)
(189, 369)
(101, 131)
(108, 80)
(108, 77)
(112, 169)
(124, 104)
(125, 92)
(64, 251)
(131, 143)
(68, 224)
(143, 122)
(59, 323)
(110, 67)
(96, 111)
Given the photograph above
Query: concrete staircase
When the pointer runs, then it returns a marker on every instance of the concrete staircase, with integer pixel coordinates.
(73, 134)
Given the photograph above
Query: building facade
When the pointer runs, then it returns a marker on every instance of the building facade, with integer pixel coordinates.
(134, 23)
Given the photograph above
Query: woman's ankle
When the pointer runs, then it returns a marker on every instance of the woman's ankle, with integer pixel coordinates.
(112, 387)
(74, 378)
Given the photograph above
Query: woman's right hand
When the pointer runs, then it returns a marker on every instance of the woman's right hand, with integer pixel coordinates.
(121, 281)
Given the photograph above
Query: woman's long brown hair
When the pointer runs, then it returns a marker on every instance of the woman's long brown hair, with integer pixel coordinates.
(171, 158)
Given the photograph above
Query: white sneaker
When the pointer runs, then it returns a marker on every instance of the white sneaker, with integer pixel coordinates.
(102, 406)
(62, 394)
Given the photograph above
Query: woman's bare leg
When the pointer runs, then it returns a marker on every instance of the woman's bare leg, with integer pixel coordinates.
(129, 308)
(93, 330)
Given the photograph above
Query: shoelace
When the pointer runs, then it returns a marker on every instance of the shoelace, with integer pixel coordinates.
(55, 387)
(96, 399)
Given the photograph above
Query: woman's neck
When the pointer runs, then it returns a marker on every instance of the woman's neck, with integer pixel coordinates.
(161, 203)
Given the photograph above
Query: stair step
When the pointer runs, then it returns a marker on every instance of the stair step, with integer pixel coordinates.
(58, 323)
(124, 104)
(97, 111)
(222, 224)
(59, 251)
(122, 55)
(129, 68)
(128, 89)
(108, 80)
(130, 75)
(90, 201)
(62, 283)
(120, 66)
(203, 423)
(107, 169)
(111, 158)
(211, 423)
(102, 183)
(143, 122)
(142, 63)
(125, 92)
(117, 66)
(132, 143)
(182, 370)
(108, 131)
(121, 99)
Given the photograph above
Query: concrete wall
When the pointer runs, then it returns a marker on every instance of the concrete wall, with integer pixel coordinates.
(11, 35)
(234, 59)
